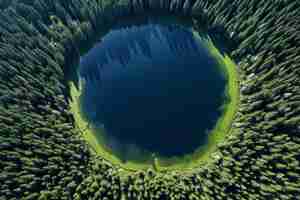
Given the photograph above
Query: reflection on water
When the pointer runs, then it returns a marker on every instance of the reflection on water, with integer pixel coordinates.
(152, 87)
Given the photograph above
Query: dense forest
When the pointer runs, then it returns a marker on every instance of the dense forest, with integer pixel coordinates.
(42, 155)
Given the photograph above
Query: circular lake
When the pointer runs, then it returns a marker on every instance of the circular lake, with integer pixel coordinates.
(152, 87)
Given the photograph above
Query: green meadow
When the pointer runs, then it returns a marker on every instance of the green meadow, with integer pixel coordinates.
(95, 136)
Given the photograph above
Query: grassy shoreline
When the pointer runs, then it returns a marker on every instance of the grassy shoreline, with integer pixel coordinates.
(96, 141)
(186, 162)
(223, 125)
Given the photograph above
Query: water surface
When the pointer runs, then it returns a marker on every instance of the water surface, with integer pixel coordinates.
(152, 87)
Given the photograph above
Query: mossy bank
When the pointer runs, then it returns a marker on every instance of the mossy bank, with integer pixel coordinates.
(96, 139)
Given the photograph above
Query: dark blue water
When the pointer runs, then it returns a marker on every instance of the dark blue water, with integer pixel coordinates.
(153, 86)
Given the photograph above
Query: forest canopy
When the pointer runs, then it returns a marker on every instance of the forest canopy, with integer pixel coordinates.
(42, 154)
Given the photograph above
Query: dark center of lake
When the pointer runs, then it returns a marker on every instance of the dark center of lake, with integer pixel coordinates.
(154, 86)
